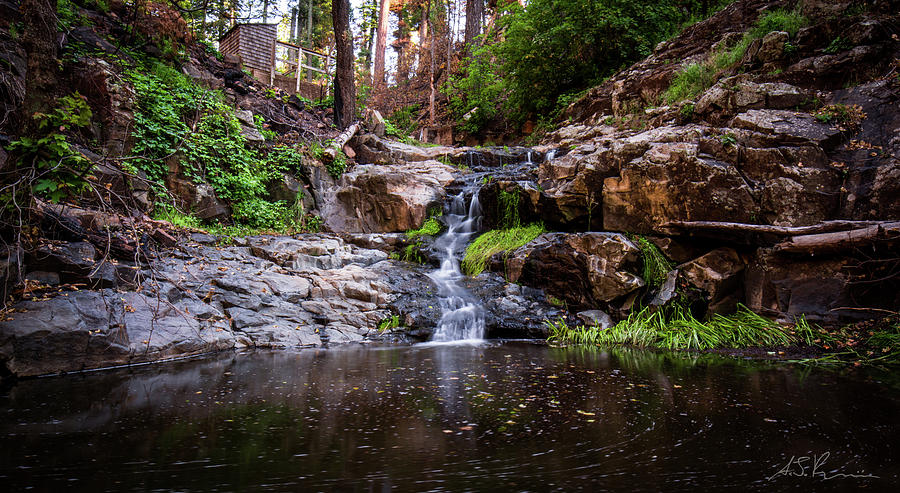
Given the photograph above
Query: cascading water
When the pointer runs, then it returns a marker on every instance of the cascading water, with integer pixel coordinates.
(463, 315)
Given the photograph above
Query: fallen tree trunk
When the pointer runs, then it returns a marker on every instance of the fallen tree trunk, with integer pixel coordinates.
(823, 227)
(331, 152)
(840, 241)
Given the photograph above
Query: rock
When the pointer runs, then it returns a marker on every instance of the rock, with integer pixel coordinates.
(198, 198)
(672, 182)
(388, 198)
(195, 70)
(718, 273)
(772, 47)
(790, 287)
(375, 122)
(595, 318)
(788, 126)
(584, 269)
(248, 126)
(736, 94)
(204, 239)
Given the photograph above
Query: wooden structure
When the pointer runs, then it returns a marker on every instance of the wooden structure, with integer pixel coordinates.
(262, 54)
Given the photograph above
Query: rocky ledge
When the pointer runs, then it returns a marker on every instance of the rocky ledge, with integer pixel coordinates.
(264, 291)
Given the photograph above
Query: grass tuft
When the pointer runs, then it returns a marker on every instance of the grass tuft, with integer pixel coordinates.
(674, 327)
(432, 227)
(656, 266)
(499, 240)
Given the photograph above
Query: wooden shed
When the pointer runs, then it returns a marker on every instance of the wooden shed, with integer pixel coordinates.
(255, 44)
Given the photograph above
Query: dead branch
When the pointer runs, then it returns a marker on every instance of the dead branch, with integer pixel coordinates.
(840, 241)
(823, 227)
(340, 141)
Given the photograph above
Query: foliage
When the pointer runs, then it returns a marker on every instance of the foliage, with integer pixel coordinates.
(389, 323)
(655, 266)
(214, 151)
(695, 78)
(496, 241)
(789, 21)
(542, 57)
(165, 98)
(508, 209)
(60, 170)
(267, 134)
(337, 166)
(850, 116)
(432, 227)
(674, 327)
(401, 123)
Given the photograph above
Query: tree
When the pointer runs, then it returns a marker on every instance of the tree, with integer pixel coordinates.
(474, 13)
(39, 42)
(344, 88)
(381, 41)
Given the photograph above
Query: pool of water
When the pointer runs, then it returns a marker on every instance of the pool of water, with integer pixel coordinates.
(509, 416)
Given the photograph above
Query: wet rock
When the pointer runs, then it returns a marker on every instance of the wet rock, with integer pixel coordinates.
(388, 198)
(584, 269)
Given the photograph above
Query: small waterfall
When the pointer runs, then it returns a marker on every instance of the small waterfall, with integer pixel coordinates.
(463, 315)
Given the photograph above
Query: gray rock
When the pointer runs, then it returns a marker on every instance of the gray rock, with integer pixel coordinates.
(595, 318)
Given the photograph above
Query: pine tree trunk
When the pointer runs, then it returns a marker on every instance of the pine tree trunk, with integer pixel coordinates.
(381, 41)
(344, 88)
(39, 42)
(474, 13)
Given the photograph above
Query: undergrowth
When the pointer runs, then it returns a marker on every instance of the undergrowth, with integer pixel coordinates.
(431, 227)
(695, 78)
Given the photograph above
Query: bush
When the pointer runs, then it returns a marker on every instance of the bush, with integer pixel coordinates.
(542, 57)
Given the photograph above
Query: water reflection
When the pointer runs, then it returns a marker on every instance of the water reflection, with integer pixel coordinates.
(446, 418)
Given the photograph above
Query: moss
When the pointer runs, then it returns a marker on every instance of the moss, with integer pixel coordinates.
(499, 240)
(508, 209)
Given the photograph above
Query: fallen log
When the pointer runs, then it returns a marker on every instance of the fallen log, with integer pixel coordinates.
(823, 227)
(331, 152)
(840, 241)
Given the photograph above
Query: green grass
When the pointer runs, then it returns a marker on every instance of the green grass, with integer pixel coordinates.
(674, 327)
(389, 323)
(655, 266)
(499, 240)
(432, 227)
(695, 78)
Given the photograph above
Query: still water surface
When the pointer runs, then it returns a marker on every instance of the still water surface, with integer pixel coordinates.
(491, 417)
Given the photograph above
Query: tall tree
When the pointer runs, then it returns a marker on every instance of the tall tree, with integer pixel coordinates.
(39, 42)
(381, 41)
(344, 88)
(474, 13)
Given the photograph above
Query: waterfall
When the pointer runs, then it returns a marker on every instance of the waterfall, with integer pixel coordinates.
(462, 314)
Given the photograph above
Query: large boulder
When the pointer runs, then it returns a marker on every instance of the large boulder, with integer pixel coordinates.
(718, 275)
(672, 182)
(584, 269)
(386, 198)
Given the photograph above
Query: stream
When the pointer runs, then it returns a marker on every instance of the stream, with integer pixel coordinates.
(510, 416)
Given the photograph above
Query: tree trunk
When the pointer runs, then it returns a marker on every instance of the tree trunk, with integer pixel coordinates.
(344, 88)
(265, 11)
(39, 43)
(381, 41)
(474, 12)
